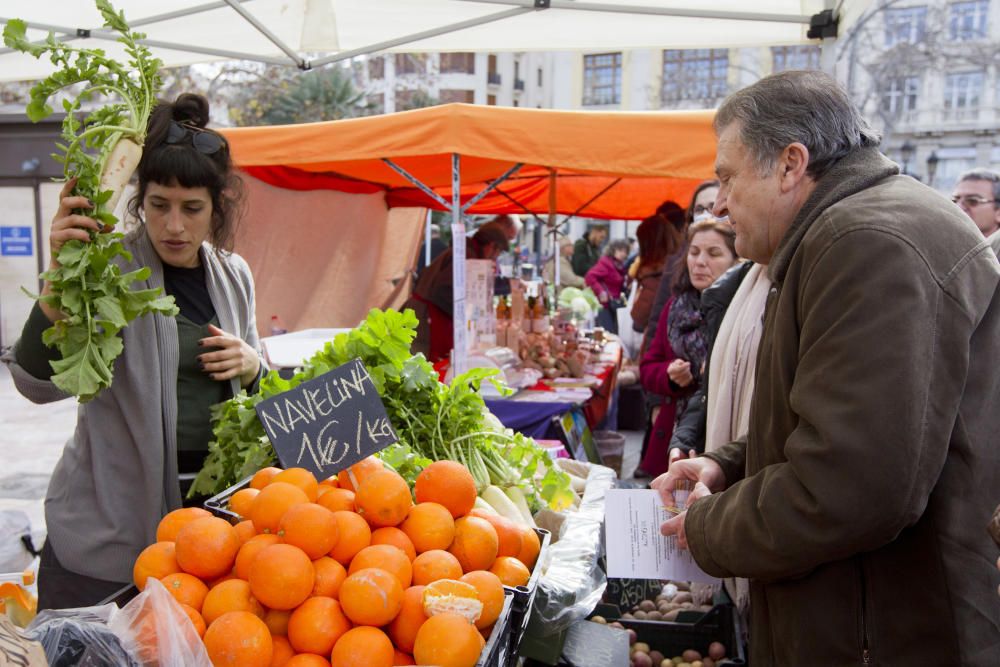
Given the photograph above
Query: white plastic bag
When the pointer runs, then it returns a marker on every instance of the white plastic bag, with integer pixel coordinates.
(156, 631)
(14, 555)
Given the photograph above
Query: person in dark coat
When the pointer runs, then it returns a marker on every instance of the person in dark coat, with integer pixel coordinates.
(587, 249)
(870, 465)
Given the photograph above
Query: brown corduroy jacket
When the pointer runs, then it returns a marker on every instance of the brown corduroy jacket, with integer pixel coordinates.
(858, 504)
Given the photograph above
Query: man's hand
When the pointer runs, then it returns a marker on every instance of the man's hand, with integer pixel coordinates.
(708, 478)
(676, 454)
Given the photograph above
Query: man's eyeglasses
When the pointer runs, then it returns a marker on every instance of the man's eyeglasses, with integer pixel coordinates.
(971, 201)
(203, 141)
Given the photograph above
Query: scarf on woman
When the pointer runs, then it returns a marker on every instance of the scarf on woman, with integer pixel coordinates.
(686, 334)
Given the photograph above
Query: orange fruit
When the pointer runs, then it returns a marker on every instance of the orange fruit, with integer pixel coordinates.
(186, 589)
(308, 660)
(196, 619)
(383, 498)
(475, 544)
(232, 595)
(491, 594)
(354, 534)
(435, 564)
(281, 576)
(360, 471)
(363, 647)
(403, 629)
(309, 527)
(448, 483)
(511, 571)
(508, 532)
(250, 550)
(337, 500)
(157, 561)
(531, 545)
(316, 625)
(271, 504)
(212, 583)
(299, 477)
(429, 526)
(402, 659)
(276, 621)
(263, 477)
(453, 597)
(330, 481)
(448, 640)
(395, 537)
(242, 501)
(207, 548)
(385, 557)
(245, 530)
(239, 638)
(371, 597)
(329, 576)
(282, 651)
(171, 524)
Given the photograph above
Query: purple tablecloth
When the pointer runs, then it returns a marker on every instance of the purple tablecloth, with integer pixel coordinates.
(528, 417)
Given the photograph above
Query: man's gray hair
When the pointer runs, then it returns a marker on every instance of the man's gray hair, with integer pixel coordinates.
(988, 175)
(807, 107)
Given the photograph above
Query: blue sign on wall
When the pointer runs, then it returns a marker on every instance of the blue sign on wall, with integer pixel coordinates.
(15, 241)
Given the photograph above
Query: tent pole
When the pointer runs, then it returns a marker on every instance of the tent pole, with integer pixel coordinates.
(581, 5)
(460, 350)
(489, 188)
(589, 202)
(552, 227)
(427, 239)
(264, 30)
(416, 182)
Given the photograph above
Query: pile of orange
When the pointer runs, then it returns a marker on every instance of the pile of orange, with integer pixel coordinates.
(344, 572)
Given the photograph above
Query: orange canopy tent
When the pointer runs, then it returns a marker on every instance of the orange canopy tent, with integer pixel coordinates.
(632, 160)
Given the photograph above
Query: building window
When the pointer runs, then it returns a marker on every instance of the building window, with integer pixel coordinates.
(376, 67)
(491, 100)
(905, 25)
(961, 95)
(602, 78)
(376, 103)
(805, 56)
(899, 95)
(458, 63)
(539, 77)
(411, 63)
(967, 20)
(451, 95)
(695, 74)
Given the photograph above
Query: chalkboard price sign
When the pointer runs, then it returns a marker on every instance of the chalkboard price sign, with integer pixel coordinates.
(329, 423)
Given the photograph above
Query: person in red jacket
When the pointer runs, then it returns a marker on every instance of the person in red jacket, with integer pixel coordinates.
(607, 280)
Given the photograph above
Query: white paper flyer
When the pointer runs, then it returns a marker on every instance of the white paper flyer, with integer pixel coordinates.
(636, 549)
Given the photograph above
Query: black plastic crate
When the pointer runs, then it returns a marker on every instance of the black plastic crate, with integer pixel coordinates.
(671, 638)
(524, 596)
(122, 596)
(496, 653)
(219, 503)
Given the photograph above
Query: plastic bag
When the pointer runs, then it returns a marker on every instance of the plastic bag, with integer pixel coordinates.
(15, 526)
(574, 582)
(81, 636)
(156, 631)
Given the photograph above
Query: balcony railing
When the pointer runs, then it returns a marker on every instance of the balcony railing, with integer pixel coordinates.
(518, 84)
(493, 78)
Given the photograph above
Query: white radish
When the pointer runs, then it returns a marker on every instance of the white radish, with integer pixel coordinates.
(520, 502)
(121, 164)
(503, 505)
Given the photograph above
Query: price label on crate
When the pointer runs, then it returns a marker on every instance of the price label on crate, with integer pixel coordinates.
(328, 423)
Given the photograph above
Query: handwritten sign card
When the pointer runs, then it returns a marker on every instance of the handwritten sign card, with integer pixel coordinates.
(329, 423)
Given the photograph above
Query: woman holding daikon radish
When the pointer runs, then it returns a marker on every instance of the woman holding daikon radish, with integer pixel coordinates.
(121, 470)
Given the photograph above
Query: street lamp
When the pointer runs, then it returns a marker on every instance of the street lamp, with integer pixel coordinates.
(906, 151)
(932, 163)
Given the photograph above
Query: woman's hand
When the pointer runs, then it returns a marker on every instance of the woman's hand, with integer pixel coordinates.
(234, 358)
(679, 372)
(66, 226)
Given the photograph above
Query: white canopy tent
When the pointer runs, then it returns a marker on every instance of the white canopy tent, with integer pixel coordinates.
(312, 33)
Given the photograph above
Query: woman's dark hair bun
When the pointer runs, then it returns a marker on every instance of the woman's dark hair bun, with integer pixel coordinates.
(191, 109)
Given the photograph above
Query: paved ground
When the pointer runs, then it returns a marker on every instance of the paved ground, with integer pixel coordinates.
(33, 438)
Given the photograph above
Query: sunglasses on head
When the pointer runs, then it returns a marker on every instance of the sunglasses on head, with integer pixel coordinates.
(203, 141)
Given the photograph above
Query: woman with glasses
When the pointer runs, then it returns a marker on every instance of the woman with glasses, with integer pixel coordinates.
(672, 366)
(120, 472)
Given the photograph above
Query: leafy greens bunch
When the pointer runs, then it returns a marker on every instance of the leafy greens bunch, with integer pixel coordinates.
(433, 420)
(101, 151)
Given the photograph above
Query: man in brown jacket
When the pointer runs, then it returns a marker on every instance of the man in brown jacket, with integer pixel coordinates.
(858, 502)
